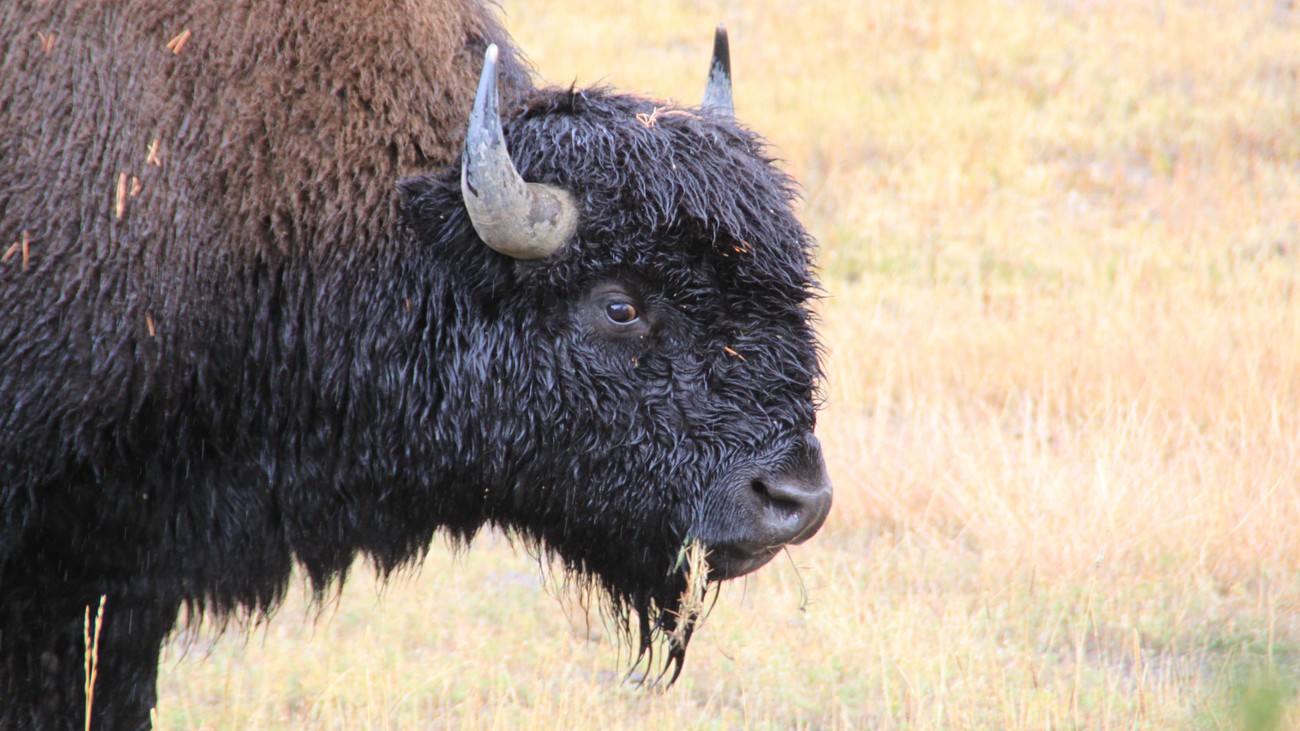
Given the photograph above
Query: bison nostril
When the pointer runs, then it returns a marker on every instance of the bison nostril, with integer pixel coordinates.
(781, 500)
(763, 491)
(789, 507)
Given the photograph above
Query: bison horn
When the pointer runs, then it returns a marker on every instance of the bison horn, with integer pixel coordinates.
(519, 219)
(717, 95)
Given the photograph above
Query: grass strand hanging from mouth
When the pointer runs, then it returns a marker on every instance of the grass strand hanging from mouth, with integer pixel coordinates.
(693, 558)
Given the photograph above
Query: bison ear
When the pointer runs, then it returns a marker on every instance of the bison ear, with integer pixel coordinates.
(519, 219)
(411, 189)
(717, 94)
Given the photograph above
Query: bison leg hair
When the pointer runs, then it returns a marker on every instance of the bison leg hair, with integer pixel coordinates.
(43, 653)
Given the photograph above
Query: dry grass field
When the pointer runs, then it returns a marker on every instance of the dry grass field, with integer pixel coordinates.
(1061, 250)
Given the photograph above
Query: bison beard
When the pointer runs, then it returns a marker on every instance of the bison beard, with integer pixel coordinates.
(234, 350)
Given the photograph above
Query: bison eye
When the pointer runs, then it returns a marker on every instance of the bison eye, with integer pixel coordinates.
(621, 313)
(616, 313)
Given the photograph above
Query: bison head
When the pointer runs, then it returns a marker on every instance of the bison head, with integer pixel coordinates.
(642, 370)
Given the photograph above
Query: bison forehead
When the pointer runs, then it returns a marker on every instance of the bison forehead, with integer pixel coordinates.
(657, 182)
(656, 163)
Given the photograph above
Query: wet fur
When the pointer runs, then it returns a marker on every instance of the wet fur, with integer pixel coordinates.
(270, 358)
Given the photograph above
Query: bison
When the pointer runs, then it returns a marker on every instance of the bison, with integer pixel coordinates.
(285, 283)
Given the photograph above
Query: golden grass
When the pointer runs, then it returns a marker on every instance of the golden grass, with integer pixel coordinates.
(90, 654)
(693, 605)
(1061, 243)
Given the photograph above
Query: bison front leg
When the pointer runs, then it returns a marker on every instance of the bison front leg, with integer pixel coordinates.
(62, 658)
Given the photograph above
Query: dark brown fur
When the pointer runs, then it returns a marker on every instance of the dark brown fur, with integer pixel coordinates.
(156, 155)
(224, 355)
(307, 106)
(146, 174)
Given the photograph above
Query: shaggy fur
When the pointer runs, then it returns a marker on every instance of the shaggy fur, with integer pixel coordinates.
(235, 348)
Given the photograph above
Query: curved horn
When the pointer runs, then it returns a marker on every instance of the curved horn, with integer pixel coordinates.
(717, 94)
(519, 219)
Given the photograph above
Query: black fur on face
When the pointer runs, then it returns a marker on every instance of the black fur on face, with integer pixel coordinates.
(615, 398)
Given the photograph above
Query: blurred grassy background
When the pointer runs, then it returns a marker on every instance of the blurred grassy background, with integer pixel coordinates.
(1061, 244)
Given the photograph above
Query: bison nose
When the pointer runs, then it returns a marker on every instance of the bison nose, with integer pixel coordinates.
(769, 508)
(791, 506)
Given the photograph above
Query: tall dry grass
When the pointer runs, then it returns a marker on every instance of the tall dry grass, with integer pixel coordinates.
(1061, 244)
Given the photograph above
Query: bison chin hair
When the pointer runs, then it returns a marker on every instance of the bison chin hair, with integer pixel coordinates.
(653, 623)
